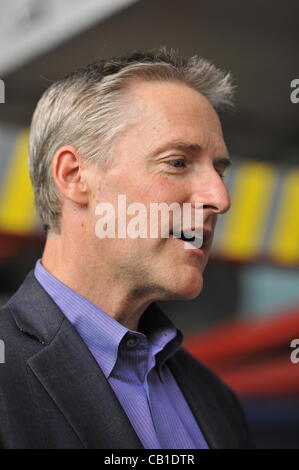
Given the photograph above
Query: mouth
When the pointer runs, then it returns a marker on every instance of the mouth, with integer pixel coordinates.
(197, 238)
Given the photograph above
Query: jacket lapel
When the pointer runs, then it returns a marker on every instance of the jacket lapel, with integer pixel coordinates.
(70, 374)
(204, 405)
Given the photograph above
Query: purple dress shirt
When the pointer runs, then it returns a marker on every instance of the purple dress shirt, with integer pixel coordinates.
(134, 363)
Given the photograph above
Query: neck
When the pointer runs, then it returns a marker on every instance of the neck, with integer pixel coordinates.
(74, 265)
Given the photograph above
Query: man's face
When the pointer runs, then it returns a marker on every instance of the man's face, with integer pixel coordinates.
(173, 151)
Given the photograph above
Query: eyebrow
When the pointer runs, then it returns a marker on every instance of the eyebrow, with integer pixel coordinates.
(224, 161)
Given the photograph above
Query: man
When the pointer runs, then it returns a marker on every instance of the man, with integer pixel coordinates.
(90, 359)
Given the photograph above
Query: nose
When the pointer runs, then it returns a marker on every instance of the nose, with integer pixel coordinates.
(211, 191)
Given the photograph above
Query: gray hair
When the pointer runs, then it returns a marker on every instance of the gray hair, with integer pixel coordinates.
(87, 109)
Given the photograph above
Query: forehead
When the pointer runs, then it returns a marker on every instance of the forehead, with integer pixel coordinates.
(166, 111)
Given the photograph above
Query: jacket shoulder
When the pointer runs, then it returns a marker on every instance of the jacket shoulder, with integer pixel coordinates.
(16, 346)
(8, 327)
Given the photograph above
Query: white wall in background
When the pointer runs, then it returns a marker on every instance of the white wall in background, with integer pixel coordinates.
(31, 27)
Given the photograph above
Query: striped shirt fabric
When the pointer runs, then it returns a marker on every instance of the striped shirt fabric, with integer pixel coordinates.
(134, 363)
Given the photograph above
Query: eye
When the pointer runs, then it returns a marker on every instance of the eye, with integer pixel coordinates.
(177, 163)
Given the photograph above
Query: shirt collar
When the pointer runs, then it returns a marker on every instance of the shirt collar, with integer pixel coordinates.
(101, 333)
(161, 333)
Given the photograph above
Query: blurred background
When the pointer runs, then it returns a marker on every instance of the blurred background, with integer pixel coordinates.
(243, 323)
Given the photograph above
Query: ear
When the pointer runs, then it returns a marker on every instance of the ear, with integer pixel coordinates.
(68, 174)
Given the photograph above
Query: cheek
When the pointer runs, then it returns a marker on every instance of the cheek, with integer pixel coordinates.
(142, 187)
(163, 189)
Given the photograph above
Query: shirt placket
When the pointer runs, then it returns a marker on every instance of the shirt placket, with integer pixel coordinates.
(132, 368)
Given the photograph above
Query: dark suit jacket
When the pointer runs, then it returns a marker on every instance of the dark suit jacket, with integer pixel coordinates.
(54, 395)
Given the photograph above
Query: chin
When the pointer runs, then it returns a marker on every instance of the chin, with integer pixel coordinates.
(192, 292)
(189, 288)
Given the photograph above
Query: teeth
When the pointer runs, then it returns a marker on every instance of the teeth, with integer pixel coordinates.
(184, 234)
(189, 236)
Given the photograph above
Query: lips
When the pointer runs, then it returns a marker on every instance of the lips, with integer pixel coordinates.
(198, 237)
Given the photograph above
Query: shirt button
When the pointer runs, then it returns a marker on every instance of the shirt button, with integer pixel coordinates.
(131, 342)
